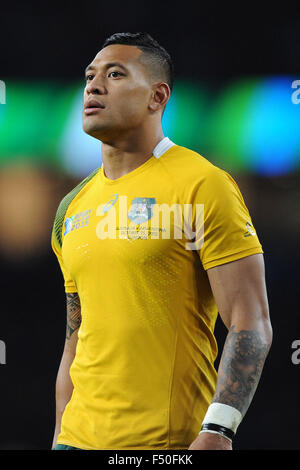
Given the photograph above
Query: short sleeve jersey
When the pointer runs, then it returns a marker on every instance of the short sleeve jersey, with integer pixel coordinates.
(137, 250)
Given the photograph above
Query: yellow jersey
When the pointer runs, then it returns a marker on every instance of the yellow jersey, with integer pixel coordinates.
(136, 250)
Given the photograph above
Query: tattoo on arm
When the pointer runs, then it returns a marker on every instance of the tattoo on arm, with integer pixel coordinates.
(73, 314)
(240, 368)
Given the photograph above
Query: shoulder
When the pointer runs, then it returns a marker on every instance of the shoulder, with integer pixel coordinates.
(68, 198)
(183, 156)
(65, 203)
(189, 167)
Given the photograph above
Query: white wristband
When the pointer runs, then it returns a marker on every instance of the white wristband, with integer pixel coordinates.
(223, 415)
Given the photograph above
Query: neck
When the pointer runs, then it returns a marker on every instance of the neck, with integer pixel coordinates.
(126, 154)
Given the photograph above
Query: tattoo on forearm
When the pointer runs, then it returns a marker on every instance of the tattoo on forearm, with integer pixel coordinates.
(240, 368)
(73, 314)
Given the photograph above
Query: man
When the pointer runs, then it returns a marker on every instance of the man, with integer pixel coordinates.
(152, 246)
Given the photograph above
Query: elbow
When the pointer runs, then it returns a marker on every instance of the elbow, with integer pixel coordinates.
(269, 333)
(266, 330)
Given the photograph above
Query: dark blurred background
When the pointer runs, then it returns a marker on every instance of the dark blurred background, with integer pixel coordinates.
(235, 102)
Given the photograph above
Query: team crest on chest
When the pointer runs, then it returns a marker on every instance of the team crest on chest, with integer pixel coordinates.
(141, 209)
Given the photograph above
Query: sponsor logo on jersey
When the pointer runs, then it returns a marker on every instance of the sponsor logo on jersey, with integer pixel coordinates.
(110, 203)
(249, 230)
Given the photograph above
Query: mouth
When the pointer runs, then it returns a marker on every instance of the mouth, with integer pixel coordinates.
(92, 107)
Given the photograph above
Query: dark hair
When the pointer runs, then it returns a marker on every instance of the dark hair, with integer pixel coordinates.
(159, 59)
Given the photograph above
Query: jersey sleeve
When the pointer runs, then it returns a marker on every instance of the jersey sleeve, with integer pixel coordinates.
(228, 233)
(56, 244)
(57, 236)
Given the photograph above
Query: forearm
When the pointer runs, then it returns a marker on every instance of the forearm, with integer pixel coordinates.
(64, 385)
(240, 292)
(63, 391)
(242, 361)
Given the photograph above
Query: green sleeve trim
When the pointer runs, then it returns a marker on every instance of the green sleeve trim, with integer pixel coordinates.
(63, 207)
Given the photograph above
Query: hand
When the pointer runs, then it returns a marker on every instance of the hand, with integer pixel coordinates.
(209, 441)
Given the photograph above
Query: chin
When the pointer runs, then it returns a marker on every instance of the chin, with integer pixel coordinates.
(93, 131)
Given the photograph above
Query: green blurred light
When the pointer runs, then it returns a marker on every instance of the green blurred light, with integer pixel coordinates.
(23, 128)
(250, 125)
(189, 111)
(33, 120)
(60, 112)
(228, 125)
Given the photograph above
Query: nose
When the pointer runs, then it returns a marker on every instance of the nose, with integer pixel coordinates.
(96, 87)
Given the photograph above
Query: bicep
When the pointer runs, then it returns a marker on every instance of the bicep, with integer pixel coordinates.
(240, 293)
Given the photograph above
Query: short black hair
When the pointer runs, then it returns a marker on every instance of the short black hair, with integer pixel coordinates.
(159, 59)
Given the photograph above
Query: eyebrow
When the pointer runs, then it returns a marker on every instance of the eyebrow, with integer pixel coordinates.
(107, 66)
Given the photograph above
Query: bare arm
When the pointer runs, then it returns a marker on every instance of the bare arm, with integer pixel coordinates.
(64, 386)
(240, 293)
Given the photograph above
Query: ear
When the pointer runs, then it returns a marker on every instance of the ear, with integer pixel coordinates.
(160, 96)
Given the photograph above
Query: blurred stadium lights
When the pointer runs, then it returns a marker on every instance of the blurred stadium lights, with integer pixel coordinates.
(249, 126)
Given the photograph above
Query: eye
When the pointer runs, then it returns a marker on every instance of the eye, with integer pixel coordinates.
(89, 77)
(116, 74)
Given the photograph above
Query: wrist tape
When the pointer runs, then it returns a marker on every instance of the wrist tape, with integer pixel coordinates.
(222, 419)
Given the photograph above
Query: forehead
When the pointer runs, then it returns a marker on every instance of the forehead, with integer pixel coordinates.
(127, 55)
